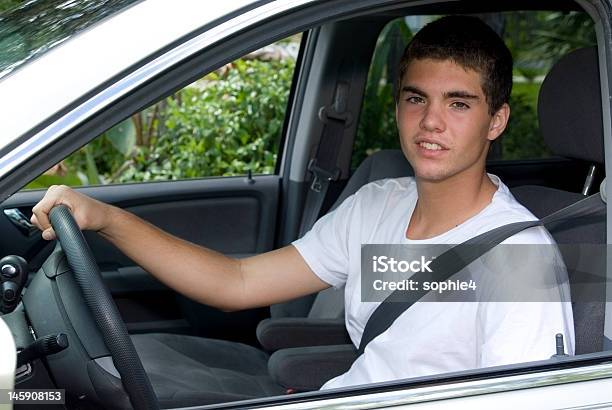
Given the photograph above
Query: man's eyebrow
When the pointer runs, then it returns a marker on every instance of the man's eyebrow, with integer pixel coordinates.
(414, 90)
(461, 94)
(447, 94)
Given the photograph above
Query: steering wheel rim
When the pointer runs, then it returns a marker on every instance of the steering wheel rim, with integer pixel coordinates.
(99, 301)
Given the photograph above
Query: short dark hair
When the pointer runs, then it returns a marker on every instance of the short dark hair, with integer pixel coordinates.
(470, 43)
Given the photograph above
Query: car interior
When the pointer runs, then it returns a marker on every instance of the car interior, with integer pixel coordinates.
(197, 355)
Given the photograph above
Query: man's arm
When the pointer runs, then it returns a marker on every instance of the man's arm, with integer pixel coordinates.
(198, 273)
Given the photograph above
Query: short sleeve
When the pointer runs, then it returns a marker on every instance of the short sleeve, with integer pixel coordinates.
(325, 248)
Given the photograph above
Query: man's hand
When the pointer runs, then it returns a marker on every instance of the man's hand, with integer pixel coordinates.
(88, 213)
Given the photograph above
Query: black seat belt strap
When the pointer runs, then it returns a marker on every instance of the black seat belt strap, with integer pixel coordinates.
(460, 256)
(323, 165)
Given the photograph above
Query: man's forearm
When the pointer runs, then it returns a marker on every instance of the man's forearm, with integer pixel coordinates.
(199, 273)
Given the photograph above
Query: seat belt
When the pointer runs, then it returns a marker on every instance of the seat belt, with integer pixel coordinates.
(460, 256)
(323, 165)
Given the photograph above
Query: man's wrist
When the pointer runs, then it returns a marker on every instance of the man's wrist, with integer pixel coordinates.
(113, 217)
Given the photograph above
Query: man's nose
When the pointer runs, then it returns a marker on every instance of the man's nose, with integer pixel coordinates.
(433, 119)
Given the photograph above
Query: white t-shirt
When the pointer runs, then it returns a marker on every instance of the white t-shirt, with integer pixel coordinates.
(432, 337)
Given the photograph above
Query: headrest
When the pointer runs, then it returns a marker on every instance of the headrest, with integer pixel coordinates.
(569, 107)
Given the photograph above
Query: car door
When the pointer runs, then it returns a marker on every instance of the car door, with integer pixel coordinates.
(180, 165)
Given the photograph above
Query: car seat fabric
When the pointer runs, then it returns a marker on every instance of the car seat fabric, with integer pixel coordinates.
(189, 370)
(286, 332)
(569, 107)
(317, 365)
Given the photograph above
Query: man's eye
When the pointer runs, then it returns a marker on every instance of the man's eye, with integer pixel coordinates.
(414, 100)
(460, 105)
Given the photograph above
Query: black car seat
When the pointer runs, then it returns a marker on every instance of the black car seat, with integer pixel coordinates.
(189, 370)
(570, 116)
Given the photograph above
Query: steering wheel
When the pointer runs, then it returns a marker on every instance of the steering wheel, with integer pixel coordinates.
(100, 303)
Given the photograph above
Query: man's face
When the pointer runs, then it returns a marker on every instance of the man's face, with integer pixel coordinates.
(443, 120)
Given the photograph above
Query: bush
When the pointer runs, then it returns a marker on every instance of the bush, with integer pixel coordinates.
(377, 129)
(522, 138)
(227, 123)
(227, 126)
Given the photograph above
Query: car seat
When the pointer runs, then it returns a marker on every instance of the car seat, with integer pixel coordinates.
(569, 111)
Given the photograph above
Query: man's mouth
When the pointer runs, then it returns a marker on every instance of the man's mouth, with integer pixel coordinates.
(430, 146)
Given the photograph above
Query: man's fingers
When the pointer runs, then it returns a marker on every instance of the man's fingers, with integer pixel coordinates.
(48, 234)
(40, 212)
(58, 195)
(40, 216)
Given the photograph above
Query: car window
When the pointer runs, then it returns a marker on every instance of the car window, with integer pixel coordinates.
(227, 123)
(30, 28)
(536, 39)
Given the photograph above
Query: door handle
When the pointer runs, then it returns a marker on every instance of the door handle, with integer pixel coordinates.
(22, 223)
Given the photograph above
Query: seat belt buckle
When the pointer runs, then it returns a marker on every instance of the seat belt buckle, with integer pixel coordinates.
(320, 175)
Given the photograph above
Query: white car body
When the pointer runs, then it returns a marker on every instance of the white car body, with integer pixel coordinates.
(8, 361)
(107, 52)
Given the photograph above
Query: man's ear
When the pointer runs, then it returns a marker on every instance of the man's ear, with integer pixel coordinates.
(498, 123)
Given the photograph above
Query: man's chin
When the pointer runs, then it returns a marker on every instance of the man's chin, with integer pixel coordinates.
(431, 176)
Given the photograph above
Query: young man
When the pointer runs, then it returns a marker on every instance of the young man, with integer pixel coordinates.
(456, 77)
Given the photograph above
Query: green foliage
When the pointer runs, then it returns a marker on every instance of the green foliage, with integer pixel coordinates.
(227, 123)
(538, 39)
(377, 128)
(45, 181)
(228, 126)
(123, 137)
(97, 161)
(522, 138)
(8, 5)
(561, 33)
(529, 91)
